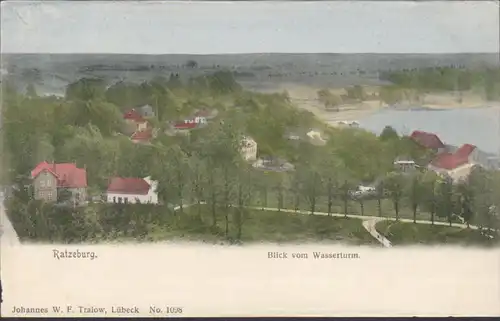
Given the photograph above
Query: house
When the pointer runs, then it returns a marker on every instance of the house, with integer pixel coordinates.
(457, 164)
(315, 137)
(189, 124)
(405, 166)
(348, 123)
(132, 190)
(362, 191)
(143, 136)
(428, 140)
(273, 164)
(248, 149)
(51, 180)
(135, 120)
(146, 111)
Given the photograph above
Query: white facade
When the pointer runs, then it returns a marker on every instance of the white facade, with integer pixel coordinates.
(405, 165)
(457, 174)
(249, 149)
(151, 197)
(196, 120)
(142, 126)
(313, 134)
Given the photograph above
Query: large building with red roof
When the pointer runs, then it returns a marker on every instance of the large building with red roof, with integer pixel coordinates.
(130, 190)
(49, 179)
(457, 164)
(428, 140)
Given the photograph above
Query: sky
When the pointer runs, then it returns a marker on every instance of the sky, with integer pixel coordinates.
(249, 27)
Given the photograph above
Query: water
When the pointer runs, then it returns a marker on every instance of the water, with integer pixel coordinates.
(477, 126)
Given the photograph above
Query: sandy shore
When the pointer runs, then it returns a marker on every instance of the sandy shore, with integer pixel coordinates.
(306, 98)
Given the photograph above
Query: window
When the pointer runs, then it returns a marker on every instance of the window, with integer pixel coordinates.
(49, 195)
(42, 183)
(114, 199)
(48, 183)
(125, 200)
(119, 200)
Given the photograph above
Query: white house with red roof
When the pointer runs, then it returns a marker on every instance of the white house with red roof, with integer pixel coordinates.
(49, 179)
(184, 126)
(457, 164)
(135, 120)
(131, 190)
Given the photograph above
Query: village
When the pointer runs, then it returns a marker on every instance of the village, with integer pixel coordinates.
(208, 159)
(66, 183)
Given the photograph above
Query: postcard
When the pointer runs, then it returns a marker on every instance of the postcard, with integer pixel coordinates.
(238, 159)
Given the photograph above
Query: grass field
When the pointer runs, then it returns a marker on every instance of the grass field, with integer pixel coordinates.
(261, 227)
(400, 233)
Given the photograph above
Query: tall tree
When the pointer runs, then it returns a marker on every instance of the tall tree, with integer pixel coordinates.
(445, 198)
(429, 194)
(415, 193)
(394, 183)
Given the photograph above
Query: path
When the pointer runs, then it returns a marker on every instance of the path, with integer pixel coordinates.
(9, 236)
(370, 226)
(368, 223)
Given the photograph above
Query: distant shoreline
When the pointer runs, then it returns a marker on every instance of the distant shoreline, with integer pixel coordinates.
(305, 97)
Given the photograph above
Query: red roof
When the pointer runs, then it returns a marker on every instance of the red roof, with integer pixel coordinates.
(67, 174)
(465, 150)
(142, 135)
(451, 161)
(120, 185)
(184, 125)
(427, 140)
(133, 115)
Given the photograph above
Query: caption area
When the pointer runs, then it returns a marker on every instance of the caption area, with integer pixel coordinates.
(312, 255)
(62, 254)
(95, 310)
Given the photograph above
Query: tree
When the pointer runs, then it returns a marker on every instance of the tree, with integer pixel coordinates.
(191, 64)
(345, 195)
(380, 193)
(445, 198)
(356, 92)
(330, 193)
(390, 95)
(244, 196)
(483, 197)
(394, 183)
(64, 195)
(86, 89)
(328, 99)
(388, 133)
(429, 194)
(199, 172)
(415, 193)
(464, 202)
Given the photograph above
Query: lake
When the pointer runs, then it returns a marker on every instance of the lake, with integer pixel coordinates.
(477, 126)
